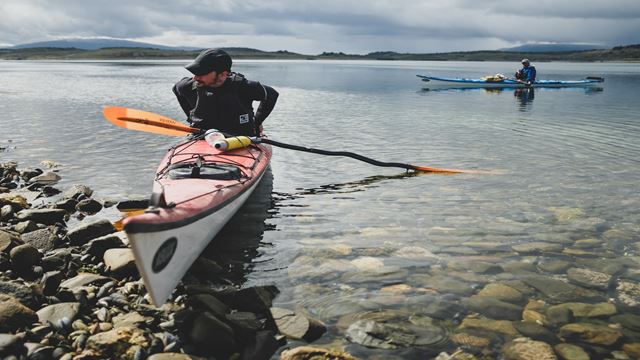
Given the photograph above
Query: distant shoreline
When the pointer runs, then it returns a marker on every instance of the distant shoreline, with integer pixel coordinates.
(629, 53)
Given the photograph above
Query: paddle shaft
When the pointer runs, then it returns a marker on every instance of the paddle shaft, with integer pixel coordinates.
(351, 155)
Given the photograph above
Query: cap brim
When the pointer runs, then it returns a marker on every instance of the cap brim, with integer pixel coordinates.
(197, 69)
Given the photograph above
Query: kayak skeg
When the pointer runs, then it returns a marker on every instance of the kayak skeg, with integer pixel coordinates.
(197, 189)
(433, 81)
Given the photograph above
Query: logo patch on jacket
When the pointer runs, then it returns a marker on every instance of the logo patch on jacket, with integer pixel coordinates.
(244, 118)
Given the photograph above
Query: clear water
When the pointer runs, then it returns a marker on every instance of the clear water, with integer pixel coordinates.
(562, 165)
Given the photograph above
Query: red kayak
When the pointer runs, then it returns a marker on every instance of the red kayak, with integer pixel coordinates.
(197, 189)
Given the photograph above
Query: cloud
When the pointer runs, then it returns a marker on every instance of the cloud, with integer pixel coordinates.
(329, 25)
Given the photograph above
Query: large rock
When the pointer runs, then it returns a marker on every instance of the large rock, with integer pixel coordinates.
(14, 315)
(42, 216)
(83, 233)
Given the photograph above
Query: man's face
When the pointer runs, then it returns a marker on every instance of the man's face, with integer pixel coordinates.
(212, 79)
(525, 64)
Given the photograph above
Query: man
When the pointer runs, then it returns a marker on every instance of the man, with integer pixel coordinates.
(527, 74)
(216, 98)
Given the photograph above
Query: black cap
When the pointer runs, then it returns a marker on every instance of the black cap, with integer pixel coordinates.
(210, 60)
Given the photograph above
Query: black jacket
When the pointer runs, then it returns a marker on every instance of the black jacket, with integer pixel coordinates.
(227, 108)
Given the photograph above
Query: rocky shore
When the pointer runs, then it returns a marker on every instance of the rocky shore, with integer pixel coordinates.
(69, 288)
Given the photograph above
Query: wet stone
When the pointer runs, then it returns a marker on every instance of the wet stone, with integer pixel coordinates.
(493, 308)
(537, 248)
(68, 205)
(589, 278)
(527, 349)
(442, 284)
(24, 227)
(571, 352)
(500, 326)
(590, 333)
(309, 352)
(628, 295)
(83, 279)
(535, 331)
(212, 335)
(379, 335)
(89, 206)
(297, 326)
(48, 177)
(555, 266)
(77, 191)
(585, 310)
(632, 349)
(502, 292)
(629, 321)
(560, 292)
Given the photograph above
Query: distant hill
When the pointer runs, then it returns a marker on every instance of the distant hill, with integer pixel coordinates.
(618, 53)
(96, 43)
(553, 47)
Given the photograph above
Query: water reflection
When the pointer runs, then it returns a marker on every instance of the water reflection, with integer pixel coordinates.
(351, 186)
(524, 96)
(236, 245)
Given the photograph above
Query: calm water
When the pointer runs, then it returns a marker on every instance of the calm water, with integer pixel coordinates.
(564, 166)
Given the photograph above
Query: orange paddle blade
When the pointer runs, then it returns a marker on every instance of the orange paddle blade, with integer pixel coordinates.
(443, 171)
(145, 121)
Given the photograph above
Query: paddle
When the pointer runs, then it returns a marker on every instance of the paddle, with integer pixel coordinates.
(149, 122)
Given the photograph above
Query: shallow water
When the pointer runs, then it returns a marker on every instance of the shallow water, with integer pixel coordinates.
(561, 166)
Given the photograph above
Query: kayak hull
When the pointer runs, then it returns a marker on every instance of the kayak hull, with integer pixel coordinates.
(167, 239)
(433, 81)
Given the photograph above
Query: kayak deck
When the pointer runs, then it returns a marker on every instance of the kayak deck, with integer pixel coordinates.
(505, 83)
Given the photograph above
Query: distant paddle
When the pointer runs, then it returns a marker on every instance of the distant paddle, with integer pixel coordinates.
(139, 120)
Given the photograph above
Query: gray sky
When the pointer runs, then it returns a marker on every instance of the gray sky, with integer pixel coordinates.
(312, 27)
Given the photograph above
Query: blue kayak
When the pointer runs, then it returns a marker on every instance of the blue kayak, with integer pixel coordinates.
(504, 83)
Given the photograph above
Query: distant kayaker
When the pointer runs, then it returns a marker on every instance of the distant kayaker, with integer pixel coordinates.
(527, 74)
(217, 98)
